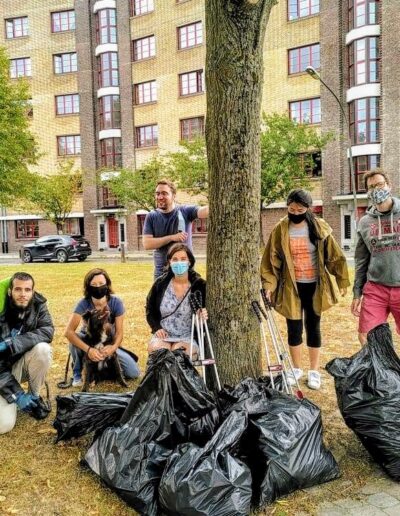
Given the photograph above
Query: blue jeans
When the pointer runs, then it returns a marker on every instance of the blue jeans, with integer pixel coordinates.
(129, 366)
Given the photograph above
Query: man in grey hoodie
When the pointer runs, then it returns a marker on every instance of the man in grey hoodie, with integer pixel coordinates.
(376, 291)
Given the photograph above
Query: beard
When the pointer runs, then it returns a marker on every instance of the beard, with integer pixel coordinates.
(15, 313)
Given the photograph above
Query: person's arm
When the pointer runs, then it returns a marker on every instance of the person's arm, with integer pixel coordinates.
(362, 257)
(110, 349)
(153, 315)
(150, 242)
(43, 332)
(202, 212)
(336, 264)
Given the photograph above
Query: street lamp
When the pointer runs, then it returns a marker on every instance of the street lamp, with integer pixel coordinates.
(315, 75)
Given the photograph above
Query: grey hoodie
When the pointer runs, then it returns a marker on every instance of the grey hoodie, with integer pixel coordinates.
(377, 255)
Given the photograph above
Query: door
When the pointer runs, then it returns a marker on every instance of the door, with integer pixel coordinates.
(112, 226)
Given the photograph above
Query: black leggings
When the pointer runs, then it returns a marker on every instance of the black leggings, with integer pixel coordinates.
(311, 319)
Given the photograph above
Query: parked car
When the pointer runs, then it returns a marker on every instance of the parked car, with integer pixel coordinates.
(56, 247)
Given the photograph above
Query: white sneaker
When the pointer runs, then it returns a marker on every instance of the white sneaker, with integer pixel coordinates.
(77, 381)
(314, 380)
(293, 376)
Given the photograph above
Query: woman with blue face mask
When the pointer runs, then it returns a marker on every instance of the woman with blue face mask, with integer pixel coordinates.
(168, 309)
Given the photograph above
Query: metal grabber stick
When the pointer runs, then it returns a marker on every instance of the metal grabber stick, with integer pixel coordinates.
(280, 347)
(204, 324)
(196, 323)
(257, 311)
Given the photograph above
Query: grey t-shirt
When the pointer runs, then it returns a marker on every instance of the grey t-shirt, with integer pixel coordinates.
(160, 224)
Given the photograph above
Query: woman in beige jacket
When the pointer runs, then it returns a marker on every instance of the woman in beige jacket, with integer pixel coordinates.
(297, 266)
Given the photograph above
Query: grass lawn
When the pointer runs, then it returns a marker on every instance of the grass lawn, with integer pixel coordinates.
(40, 478)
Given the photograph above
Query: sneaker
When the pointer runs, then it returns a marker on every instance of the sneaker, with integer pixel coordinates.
(77, 381)
(314, 380)
(293, 376)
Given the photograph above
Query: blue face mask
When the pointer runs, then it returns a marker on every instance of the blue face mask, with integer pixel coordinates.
(379, 195)
(179, 268)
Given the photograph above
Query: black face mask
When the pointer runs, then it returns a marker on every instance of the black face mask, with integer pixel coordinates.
(98, 292)
(296, 219)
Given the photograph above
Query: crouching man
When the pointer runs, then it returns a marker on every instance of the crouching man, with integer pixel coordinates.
(26, 330)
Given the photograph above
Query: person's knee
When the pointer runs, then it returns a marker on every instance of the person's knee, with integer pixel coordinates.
(43, 355)
(8, 417)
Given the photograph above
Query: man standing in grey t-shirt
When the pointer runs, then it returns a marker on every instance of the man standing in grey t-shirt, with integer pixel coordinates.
(168, 224)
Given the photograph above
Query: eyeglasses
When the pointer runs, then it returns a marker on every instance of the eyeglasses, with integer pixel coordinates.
(379, 185)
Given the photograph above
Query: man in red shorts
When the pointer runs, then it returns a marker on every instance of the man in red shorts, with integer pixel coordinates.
(376, 288)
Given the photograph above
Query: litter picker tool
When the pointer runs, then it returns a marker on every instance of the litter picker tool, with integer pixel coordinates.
(202, 332)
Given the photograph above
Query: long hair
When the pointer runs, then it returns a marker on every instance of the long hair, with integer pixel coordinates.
(88, 278)
(304, 198)
(176, 248)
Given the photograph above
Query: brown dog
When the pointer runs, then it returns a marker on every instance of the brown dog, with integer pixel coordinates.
(98, 335)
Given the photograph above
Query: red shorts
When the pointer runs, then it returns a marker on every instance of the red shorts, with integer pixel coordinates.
(377, 303)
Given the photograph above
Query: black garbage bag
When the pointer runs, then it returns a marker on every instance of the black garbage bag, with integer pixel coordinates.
(208, 481)
(368, 394)
(283, 442)
(131, 457)
(83, 412)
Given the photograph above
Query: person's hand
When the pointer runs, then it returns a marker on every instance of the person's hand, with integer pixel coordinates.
(161, 334)
(356, 307)
(95, 355)
(108, 351)
(179, 237)
(3, 346)
(27, 402)
(202, 312)
(343, 291)
(268, 294)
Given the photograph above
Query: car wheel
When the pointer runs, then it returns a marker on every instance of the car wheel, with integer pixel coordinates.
(82, 258)
(62, 256)
(26, 257)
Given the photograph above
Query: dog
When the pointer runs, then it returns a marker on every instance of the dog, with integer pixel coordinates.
(98, 335)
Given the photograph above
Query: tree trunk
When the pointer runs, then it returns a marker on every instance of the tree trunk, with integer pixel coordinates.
(234, 76)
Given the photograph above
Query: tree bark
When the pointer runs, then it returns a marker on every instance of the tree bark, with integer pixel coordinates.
(234, 75)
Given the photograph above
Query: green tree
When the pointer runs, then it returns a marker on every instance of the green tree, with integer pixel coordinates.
(188, 167)
(18, 148)
(135, 189)
(53, 195)
(282, 142)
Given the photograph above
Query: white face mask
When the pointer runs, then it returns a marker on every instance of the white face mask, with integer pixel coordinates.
(379, 195)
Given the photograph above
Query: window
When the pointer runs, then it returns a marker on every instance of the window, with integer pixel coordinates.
(190, 35)
(106, 26)
(192, 128)
(146, 92)
(109, 198)
(311, 163)
(110, 112)
(26, 229)
(69, 145)
(363, 61)
(363, 12)
(191, 82)
(20, 67)
(301, 8)
(111, 153)
(364, 120)
(108, 69)
(144, 48)
(306, 111)
(147, 136)
(364, 164)
(63, 21)
(300, 58)
(142, 6)
(65, 63)
(67, 104)
(17, 27)
(71, 227)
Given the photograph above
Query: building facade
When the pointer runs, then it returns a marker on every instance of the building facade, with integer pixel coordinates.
(115, 82)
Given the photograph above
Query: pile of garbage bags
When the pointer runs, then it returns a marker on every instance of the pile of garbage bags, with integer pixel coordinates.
(179, 450)
(368, 394)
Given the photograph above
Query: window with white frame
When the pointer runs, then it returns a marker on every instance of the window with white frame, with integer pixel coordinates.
(17, 27)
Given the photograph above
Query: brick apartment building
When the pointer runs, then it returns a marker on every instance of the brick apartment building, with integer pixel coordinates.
(115, 81)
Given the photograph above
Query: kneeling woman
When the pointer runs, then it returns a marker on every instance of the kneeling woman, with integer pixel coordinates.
(168, 310)
(98, 294)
